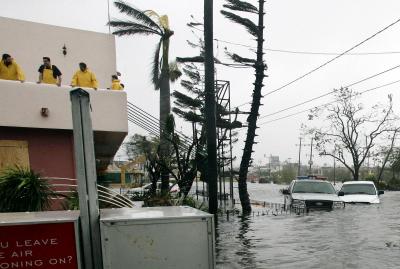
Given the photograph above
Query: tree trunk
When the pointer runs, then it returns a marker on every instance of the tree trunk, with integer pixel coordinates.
(356, 173)
(165, 110)
(252, 119)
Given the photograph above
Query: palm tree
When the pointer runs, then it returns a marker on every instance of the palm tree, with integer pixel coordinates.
(256, 31)
(150, 23)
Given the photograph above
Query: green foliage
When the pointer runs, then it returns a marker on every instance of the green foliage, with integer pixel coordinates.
(241, 6)
(250, 26)
(155, 71)
(288, 173)
(190, 201)
(137, 15)
(158, 200)
(22, 189)
(72, 201)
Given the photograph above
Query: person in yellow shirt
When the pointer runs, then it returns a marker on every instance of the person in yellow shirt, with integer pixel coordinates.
(10, 70)
(48, 73)
(84, 78)
(116, 83)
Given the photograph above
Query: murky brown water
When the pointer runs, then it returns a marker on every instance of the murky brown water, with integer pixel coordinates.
(359, 236)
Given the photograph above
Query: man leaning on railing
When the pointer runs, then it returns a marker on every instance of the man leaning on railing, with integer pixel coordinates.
(84, 78)
(49, 73)
(10, 70)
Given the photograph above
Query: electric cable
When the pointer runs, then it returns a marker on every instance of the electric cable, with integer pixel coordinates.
(329, 93)
(325, 104)
(326, 63)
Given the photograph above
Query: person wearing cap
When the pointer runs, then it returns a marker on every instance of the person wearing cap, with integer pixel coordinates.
(10, 70)
(116, 83)
(84, 78)
(49, 73)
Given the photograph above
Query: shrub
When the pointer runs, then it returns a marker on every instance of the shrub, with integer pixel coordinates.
(22, 189)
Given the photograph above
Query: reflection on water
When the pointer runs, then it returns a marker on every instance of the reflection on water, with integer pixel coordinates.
(359, 236)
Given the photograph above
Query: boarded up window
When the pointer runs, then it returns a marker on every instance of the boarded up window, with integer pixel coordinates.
(13, 153)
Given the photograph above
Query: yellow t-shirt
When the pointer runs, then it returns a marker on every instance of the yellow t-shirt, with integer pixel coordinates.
(116, 85)
(11, 72)
(84, 79)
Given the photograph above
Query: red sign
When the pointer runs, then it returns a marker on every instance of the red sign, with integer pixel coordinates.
(44, 246)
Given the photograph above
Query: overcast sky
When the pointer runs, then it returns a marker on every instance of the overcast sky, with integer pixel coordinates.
(308, 25)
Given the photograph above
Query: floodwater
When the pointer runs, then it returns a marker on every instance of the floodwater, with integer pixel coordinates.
(359, 236)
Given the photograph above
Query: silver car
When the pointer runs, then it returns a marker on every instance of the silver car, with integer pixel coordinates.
(311, 194)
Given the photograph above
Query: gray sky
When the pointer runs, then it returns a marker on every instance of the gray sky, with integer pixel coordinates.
(309, 25)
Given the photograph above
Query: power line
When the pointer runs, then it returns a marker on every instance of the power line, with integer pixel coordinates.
(299, 51)
(310, 52)
(328, 62)
(306, 110)
(331, 92)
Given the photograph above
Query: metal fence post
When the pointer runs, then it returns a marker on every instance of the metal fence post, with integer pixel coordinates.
(87, 179)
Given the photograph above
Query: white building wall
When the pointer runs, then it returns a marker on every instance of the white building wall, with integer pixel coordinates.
(28, 42)
(21, 104)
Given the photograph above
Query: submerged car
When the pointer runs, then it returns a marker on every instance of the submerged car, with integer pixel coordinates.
(360, 192)
(311, 194)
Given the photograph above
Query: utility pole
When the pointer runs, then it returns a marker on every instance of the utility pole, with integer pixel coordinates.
(300, 146)
(299, 165)
(210, 108)
(310, 162)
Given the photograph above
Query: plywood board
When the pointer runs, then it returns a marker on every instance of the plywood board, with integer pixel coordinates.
(14, 153)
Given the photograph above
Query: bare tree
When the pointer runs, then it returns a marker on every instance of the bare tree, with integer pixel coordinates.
(352, 131)
(386, 153)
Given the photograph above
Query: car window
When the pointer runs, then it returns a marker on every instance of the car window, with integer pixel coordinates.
(358, 189)
(313, 187)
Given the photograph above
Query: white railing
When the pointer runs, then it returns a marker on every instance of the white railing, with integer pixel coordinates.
(105, 195)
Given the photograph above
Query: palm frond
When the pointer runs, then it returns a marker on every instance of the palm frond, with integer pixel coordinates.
(126, 32)
(174, 72)
(194, 24)
(241, 6)
(131, 28)
(188, 116)
(138, 15)
(187, 100)
(194, 75)
(250, 26)
(195, 59)
(156, 66)
(239, 59)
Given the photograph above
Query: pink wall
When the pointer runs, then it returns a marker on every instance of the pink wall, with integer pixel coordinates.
(50, 151)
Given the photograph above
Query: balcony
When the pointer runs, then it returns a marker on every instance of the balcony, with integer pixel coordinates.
(21, 105)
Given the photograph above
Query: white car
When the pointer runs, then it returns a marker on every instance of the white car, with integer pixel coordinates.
(311, 194)
(359, 192)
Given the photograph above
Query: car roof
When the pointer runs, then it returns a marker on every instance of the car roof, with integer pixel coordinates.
(359, 182)
(310, 180)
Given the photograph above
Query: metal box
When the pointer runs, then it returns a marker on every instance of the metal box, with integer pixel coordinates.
(157, 238)
(40, 240)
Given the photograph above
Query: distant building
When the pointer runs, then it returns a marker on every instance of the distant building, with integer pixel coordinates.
(123, 174)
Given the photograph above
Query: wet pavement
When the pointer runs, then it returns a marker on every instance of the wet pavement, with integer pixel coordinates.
(359, 236)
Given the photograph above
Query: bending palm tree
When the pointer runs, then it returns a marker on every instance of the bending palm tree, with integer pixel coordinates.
(256, 30)
(149, 23)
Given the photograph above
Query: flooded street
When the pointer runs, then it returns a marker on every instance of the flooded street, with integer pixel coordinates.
(359, 236)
